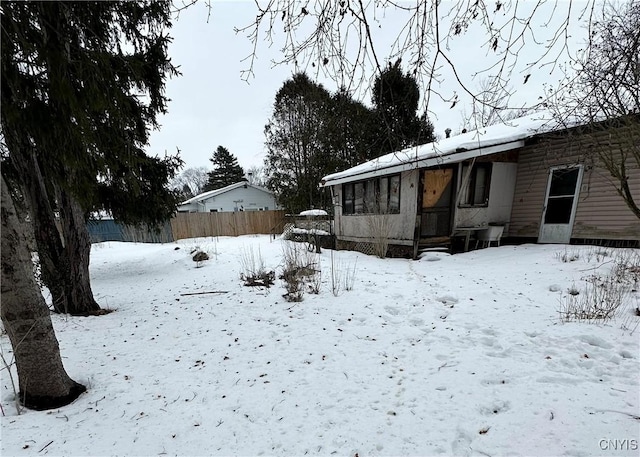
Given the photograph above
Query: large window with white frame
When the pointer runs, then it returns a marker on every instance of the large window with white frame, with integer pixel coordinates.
(373, 196)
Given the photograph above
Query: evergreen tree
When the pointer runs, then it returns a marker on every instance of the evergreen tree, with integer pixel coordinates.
(75, 126)
(295, 139)
(311, 134)
(351, 132)
(395, 98)
(226, 170)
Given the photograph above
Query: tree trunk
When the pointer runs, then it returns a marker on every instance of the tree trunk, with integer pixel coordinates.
(45, 232)
(43, 381)
(77, 248)
(64, 260)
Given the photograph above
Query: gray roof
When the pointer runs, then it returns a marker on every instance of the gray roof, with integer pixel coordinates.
(214, 193)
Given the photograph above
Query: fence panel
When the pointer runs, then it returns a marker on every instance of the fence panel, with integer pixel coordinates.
(110, 230)
(193, 225)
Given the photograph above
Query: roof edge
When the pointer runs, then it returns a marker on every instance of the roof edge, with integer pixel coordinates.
(444, 159)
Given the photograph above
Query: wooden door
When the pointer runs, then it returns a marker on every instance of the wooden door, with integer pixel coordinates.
(436, 202)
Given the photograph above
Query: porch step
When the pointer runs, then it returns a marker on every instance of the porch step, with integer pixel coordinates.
(437, 244)
(439, 241)
(433, 249)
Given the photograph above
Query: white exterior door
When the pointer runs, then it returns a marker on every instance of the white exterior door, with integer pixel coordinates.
(563, 188)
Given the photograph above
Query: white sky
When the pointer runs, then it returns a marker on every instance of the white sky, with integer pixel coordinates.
(211, 104)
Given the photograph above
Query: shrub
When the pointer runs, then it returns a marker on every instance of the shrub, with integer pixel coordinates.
(199, 257)
(380, 229)
(599, 301)
(300, 266)
(605, 295)
(343, 276)
(565, 256)
(254, 273)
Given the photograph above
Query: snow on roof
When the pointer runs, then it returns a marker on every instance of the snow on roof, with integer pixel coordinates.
(101, 215)
(213, 193)
(484, 141)
(313, 212)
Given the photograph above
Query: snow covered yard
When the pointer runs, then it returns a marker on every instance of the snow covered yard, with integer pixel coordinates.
(450, 355)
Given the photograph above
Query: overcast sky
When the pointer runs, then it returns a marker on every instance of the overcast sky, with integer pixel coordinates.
(211, 105)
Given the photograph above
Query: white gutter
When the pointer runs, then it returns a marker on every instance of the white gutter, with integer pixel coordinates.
(426, 163)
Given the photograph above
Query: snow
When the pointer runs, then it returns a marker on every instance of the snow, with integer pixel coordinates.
(502, 136)
(313, 212)
(302, 231)
(449, 355)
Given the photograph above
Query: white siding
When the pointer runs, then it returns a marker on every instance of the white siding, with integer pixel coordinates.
(359, 227)
(501, 190)
(249, 199)
(188, 208)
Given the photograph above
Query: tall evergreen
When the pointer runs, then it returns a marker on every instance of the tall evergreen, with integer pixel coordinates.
(226, 170)
(395, 98)
(313, 133)
(75, 126)
(295, 140)
(351, 131)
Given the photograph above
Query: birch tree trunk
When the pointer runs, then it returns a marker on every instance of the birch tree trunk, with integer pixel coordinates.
(43, 381)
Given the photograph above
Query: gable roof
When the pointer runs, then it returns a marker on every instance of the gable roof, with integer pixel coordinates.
(216, 192)
(484, 141)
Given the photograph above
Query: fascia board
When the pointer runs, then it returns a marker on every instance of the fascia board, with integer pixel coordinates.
(427, 163)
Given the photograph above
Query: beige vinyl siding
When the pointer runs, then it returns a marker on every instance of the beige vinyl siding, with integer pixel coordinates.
(601, 212)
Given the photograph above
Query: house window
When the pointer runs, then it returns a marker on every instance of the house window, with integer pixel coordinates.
(370, 200)
(374, 196)
(348, 197)
(475, 190)
(394, 194)
(358, 205)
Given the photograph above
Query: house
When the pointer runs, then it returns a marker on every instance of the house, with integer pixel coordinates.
(533, 178)
(240, 196)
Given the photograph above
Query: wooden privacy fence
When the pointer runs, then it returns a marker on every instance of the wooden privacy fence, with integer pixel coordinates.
(193, 225)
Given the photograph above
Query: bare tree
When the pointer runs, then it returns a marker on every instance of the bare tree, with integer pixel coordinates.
(194, 178)
(343, 39)
(491, 107)
(256, 176)
(601, 95)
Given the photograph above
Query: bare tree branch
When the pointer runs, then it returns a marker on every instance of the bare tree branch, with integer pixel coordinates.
(345, 40)
(602, 92)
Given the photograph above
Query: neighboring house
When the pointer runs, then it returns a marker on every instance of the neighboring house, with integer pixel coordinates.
(240, 196)
(533, 178)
